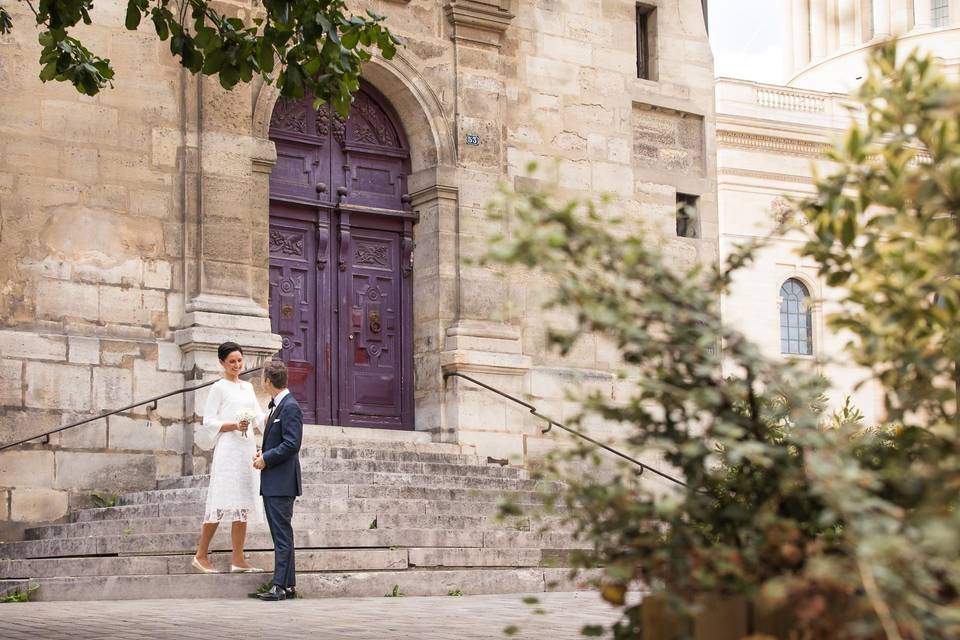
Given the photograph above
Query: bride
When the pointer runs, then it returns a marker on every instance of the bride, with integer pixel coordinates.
(234, 491)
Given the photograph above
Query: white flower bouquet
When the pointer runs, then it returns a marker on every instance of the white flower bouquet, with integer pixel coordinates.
(248, 416)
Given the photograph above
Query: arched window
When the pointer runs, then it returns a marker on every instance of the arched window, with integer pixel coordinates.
(796, 319)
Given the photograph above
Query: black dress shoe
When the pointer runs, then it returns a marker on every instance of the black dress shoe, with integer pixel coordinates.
(275, 593)
(292, 593)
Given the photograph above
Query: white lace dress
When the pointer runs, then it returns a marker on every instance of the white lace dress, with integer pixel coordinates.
(234, 491)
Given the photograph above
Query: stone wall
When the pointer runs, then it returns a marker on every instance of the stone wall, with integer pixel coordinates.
(134, 223)
(91, 270)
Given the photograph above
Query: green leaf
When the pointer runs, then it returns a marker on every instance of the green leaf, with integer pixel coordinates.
(133, 15)
(160, 23)
(350, 38)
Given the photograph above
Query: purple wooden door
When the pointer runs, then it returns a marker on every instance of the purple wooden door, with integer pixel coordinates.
(340, 255)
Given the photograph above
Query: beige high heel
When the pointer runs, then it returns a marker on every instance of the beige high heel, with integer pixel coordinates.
(235, 569)
(199, 567)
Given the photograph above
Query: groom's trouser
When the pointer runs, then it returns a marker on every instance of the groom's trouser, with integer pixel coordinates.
(279, 511)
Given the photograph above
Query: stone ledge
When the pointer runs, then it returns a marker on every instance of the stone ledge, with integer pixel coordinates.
(462, 361)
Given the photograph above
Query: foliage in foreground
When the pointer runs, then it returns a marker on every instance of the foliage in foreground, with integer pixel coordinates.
(845, 531)
(316, 47)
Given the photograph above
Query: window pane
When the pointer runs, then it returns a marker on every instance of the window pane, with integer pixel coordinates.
(796, 318)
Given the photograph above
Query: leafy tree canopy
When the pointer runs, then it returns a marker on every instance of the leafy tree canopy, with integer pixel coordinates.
(308, 47)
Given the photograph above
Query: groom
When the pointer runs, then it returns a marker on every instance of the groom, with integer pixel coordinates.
(280, 482)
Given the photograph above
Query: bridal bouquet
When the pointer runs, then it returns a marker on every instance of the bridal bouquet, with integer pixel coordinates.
(248, 416)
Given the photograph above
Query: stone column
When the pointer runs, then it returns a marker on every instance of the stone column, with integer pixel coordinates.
(847, 18)
(881, 18)
(901, 18)
(921, 14)
(788, 62)
(801, 33)
(818, 29)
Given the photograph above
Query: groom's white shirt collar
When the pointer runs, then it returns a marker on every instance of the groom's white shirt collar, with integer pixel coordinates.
(280, 396)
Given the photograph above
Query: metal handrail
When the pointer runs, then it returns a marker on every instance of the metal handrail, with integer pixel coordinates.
(106, 414)
(553, 423)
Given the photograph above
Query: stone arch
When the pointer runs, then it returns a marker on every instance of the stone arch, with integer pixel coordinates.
(434, 196)
(429, 131)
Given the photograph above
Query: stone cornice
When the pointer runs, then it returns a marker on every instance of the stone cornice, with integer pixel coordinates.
(770, 144)
(479, 21)
(765, 175)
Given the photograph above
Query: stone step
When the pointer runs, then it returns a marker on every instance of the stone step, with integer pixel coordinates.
(310, 505)
(317, 538)
(392, 453)
(411, 582)
(307, 561)
(489, 490)
(314, 469)
(301, 520)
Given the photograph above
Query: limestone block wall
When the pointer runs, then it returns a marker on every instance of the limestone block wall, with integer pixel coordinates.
(563, 86)
(91, 242)
(134, 223)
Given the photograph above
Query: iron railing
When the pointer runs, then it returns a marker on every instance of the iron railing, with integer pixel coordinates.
(152, 401)
(553, 423)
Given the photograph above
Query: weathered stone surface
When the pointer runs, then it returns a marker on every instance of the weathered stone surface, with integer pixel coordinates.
(84, 350)
(11, 383)
(112, 388)
(58, 300)
(134, 433)
(25, 344)
(91, 436)
(57, 386)
(37, 505)
(149, 382)
(104, 471)
(26, 468)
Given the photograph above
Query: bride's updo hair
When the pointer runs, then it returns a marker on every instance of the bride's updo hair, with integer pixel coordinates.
(226, 349)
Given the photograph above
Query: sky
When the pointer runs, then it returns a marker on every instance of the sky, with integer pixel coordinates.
(747, 39)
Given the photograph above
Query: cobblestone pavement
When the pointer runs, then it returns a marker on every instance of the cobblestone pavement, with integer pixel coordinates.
(408, 618)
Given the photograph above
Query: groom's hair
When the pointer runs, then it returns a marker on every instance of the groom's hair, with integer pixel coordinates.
(276, 372)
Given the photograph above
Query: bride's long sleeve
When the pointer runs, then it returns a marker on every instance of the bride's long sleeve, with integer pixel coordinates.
(211, 417)
(261, 416)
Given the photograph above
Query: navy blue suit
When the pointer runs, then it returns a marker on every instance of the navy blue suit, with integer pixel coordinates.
(280, 483)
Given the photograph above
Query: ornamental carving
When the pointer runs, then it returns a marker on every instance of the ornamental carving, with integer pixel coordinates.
(290, 115)
(371, 255)
(771, 144)
(288, 244)
(330, 123)
(370, 124)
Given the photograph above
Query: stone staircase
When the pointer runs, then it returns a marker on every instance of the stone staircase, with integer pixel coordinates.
(379, 509)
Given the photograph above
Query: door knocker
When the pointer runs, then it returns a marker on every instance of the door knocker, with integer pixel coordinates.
(373, 321)
(286, 311)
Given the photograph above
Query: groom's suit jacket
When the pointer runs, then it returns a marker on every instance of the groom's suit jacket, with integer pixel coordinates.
(281, 444)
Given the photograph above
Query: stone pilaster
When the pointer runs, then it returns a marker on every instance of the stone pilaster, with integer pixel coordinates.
(475, 342)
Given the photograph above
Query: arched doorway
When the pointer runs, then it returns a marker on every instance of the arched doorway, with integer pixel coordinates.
(341, 252)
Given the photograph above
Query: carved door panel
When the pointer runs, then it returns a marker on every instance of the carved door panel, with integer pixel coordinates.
(340, 295)
(371, 308)
(300, 305)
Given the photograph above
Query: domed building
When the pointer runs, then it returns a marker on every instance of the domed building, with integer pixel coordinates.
(769, 138)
